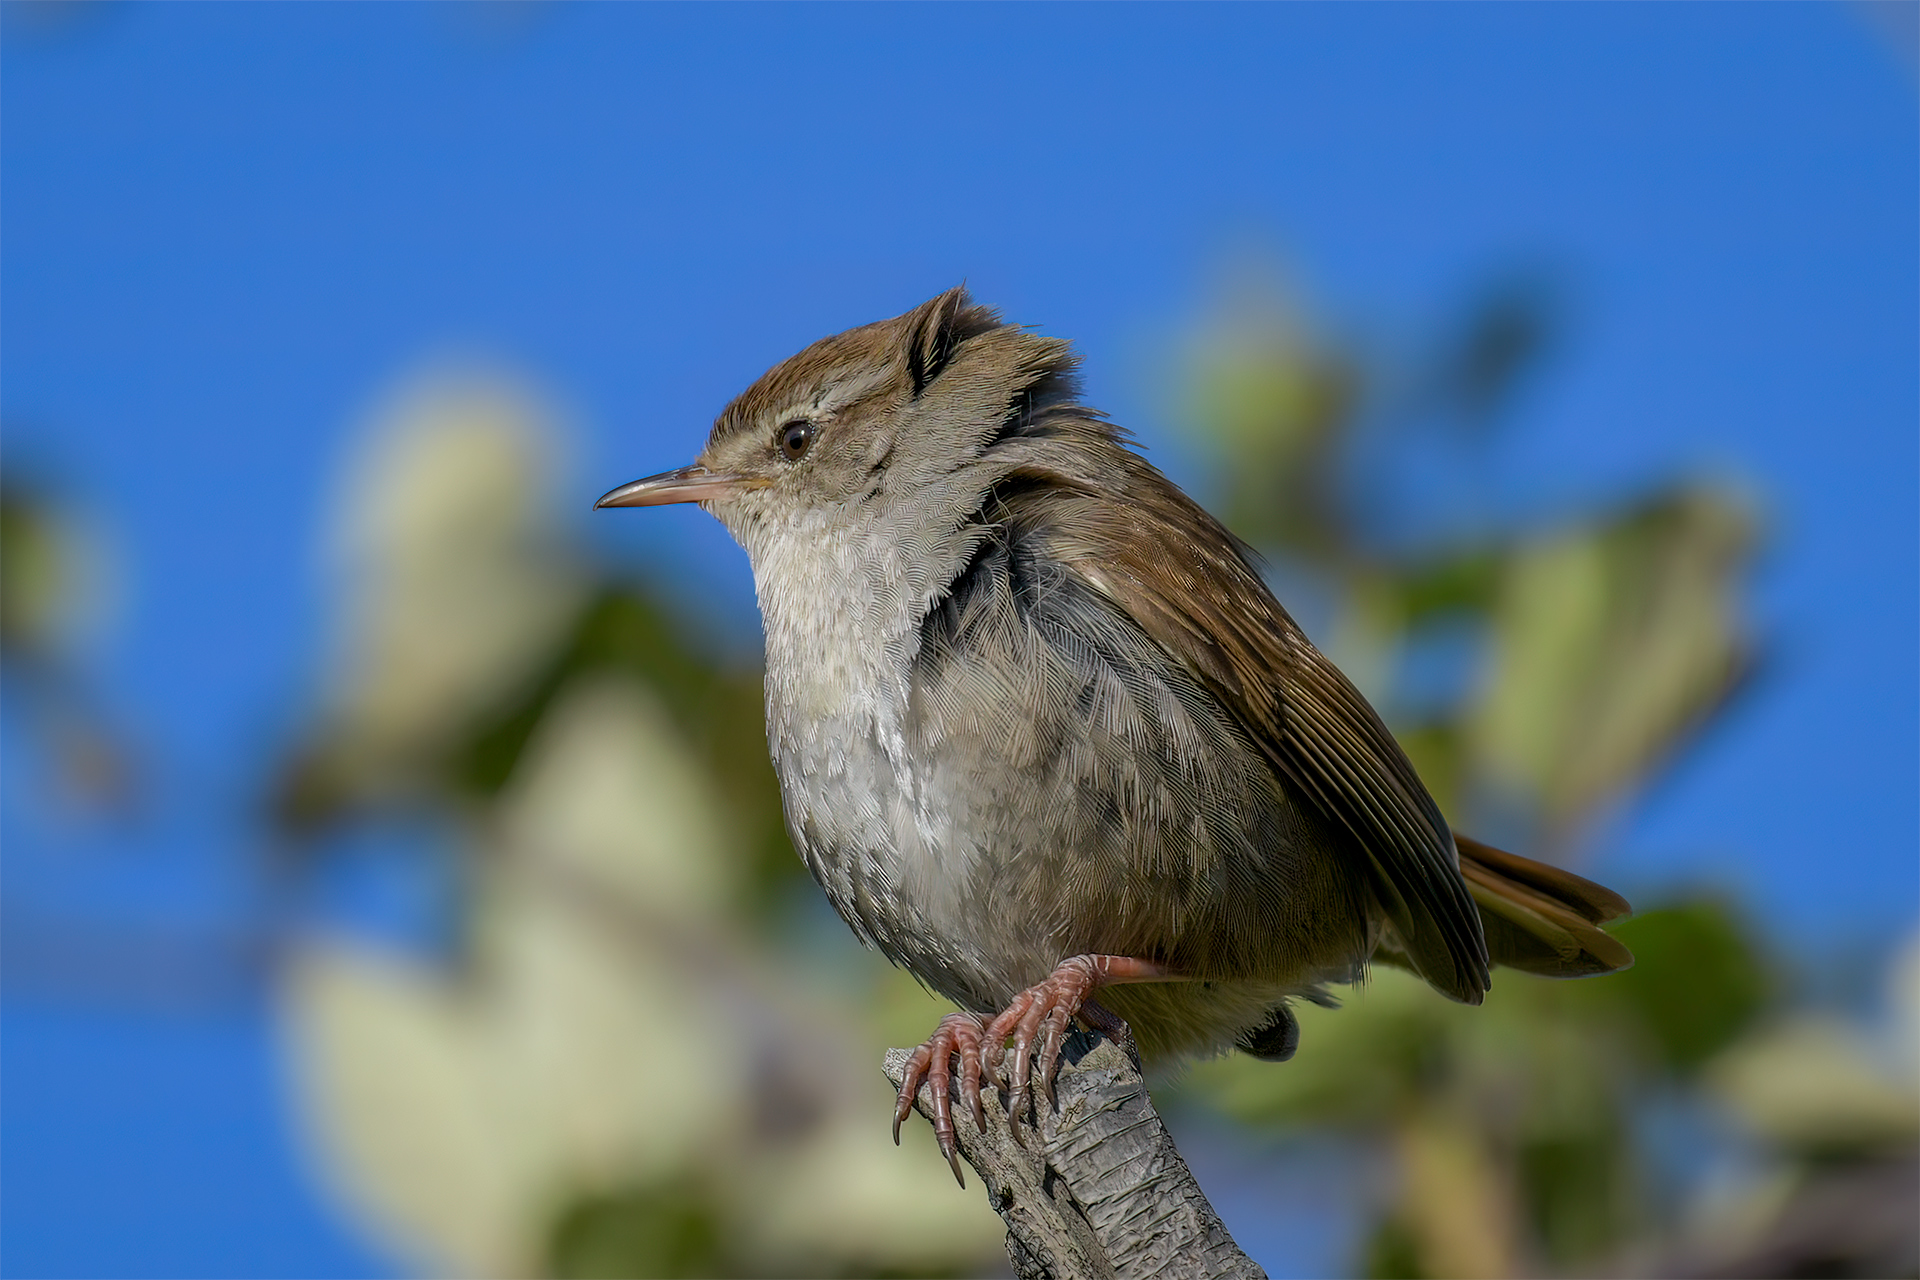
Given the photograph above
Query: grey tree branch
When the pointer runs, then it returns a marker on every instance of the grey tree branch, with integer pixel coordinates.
(1099, 1192)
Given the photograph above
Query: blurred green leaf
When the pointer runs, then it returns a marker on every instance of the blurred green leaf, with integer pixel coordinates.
(1392, 1252)
(50, 574)
(1465, 582)
(35, 574)
(1436, 751)
(662, 1229)
(1361, 1064)
(1696, 983)
(1577, 1188)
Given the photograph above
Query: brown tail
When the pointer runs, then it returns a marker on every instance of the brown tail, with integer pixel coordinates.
(1539, 918)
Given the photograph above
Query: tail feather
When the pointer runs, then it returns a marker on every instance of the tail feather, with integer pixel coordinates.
(1540, 919)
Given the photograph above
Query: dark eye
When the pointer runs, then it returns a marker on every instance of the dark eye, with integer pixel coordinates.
(796, 438)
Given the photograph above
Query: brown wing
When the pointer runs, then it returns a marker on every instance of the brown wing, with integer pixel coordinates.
(1190, 585)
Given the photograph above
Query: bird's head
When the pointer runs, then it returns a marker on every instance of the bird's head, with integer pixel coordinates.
(886, 419)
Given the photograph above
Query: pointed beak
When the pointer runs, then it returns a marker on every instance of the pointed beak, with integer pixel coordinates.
(688, 484)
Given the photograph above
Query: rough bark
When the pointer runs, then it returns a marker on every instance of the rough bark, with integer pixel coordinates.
(1098, 1191)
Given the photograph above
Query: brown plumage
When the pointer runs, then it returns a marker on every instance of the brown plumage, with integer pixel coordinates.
(1043, 731)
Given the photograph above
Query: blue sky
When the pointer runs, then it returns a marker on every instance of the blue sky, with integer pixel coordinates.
(225, 230)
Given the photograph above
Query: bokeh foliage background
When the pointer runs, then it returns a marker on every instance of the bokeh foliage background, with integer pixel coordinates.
(482, 830)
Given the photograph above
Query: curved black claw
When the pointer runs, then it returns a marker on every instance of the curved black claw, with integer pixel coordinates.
(958, 1034)
(1041, 1014)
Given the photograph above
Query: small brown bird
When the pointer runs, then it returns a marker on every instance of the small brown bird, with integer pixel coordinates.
(1043, 733)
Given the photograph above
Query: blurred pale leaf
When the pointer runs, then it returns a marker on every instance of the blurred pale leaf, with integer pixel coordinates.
(454, 575)
(608, 786)
(460, 1112)
(1902, 1037)
(1813, 1082)
(1826, 1085)
(1454, 1198)
(1610, 643)
(848, 1202)
(403, 1111)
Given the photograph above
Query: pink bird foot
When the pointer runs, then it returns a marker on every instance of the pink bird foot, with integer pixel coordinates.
(1041, 1013)
(1044, 1011)
(958, 1035)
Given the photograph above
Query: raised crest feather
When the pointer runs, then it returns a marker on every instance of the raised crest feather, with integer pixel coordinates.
(935, 331)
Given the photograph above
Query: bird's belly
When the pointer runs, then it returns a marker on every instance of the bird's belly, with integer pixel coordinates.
(895, 862)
